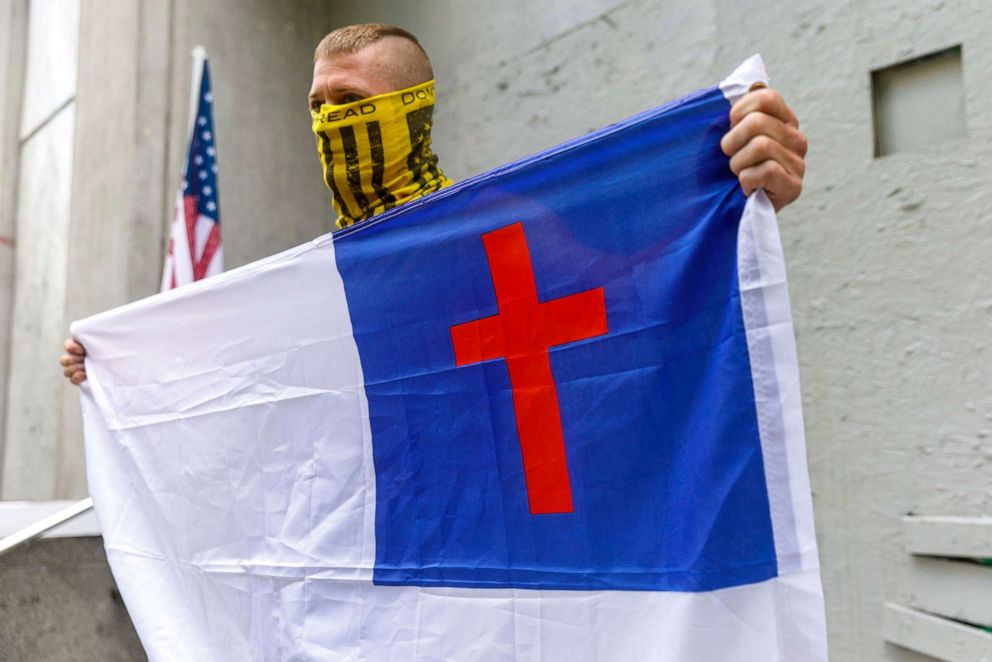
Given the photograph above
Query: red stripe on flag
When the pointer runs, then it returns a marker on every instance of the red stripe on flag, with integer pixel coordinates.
(213, 241)
(190, 214)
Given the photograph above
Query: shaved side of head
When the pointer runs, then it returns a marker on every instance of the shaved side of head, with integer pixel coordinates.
(401, 60)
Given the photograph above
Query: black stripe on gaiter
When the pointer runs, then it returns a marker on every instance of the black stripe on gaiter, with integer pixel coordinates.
(328, 155)
(353, 172)
(379, 165)
(420, 159)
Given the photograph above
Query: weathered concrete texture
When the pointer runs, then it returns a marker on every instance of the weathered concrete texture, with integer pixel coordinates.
(888, 257)
(35, 380)
(13, 18)
(889, 282)
(59, 602)
(104, 197)
(44, 180)
(50, 81)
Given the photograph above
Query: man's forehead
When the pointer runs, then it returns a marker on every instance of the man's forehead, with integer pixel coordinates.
(364, 68)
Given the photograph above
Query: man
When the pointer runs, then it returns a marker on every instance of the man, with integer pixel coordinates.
(376, 74)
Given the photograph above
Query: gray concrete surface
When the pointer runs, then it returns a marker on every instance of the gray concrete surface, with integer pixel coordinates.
(33, 421)
(52, 45)
(43, 189)
(13, 16)
(59, 603)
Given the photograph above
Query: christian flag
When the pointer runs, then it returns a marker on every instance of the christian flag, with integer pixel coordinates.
(550, 413)
(195, 250)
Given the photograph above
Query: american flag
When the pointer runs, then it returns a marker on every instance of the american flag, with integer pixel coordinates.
(195, 249)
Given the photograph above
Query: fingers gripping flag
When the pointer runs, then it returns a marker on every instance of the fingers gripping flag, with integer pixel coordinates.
(195, 250)
(549, 413)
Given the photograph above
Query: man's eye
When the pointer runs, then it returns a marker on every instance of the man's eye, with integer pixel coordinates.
(315, 105)
(350, 98)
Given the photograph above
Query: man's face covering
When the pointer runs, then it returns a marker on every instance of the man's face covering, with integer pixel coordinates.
(376, 153)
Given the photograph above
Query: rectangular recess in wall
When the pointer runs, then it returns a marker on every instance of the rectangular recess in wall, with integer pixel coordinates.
(918, 102)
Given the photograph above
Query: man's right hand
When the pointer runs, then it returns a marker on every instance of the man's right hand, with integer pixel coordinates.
(72, 362)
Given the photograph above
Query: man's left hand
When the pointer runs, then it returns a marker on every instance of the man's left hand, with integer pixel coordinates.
(766, 147)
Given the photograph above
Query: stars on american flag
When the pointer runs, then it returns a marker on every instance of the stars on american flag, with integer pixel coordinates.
(201, 168)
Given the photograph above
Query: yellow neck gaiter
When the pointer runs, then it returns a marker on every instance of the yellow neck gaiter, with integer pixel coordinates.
(376, 152)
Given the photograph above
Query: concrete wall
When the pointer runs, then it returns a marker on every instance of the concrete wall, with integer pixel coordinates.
(59, 603)
(98, 179)
(13, 19)
(888, 257)
(44, 182)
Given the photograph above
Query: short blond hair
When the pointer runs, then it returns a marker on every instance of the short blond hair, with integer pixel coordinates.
(409, 66)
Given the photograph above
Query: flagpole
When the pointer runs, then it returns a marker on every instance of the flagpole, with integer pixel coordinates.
(199, 54)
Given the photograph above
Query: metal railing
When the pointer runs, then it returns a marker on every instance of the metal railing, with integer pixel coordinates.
(44, 525)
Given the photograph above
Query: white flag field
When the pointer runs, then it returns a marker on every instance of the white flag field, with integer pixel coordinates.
(550, 413)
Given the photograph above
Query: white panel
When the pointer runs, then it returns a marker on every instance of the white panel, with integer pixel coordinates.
(935, 636)
(35, 383)
(53, 44)
(271, 378)
(949, 536)
(957, 589)
(400, 623)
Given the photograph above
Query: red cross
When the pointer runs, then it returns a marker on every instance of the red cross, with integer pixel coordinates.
(521, 333)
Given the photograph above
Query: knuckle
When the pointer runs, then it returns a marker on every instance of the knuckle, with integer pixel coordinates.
(726, 142)
(795, 141)
(766, 173)
(754, 122)
(767, 97)
(764, 145)
(735, 114)
(759, 93)
(775, 169)
(739, 110)
(788, 197)
(797, 184)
